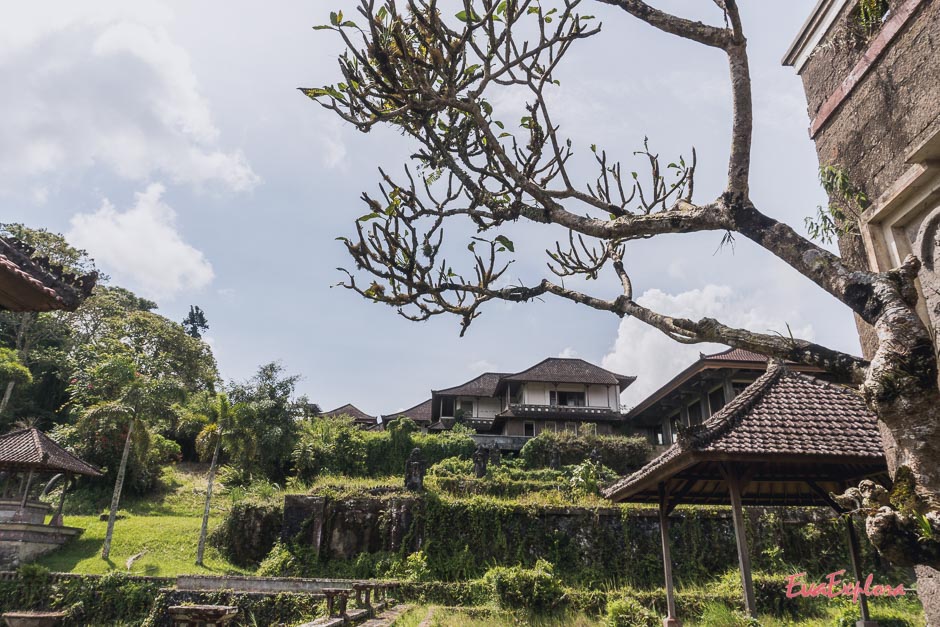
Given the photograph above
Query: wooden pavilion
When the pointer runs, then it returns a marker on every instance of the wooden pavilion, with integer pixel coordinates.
(788, 439)
(25, 455)
(30, 283)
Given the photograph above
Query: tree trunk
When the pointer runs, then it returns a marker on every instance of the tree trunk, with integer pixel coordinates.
(116, 497)
(205, 514)
(6, 396)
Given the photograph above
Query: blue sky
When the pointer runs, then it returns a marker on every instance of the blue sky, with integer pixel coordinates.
(168, 138)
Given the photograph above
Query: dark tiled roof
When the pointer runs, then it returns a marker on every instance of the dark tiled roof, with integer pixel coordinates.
(31, 449)
(722, 359)
(735, 354)
(560, 370)
(420, 413)
(782, 414)
(30, 283)
(484, 385)
(353, 412)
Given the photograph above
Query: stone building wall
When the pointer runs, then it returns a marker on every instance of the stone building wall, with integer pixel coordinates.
(874, 107)
(894, 107)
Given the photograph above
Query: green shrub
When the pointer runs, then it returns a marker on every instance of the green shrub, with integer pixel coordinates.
(337, 446)
(621, 454)
(101, 443)
(451, 467)
(717, 614)
(893, 613)
(534, 590)
(414, 567)
(629, 613)
(770, 595)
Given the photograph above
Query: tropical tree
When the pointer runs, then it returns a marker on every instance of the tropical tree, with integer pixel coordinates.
(264, 429)
(195, 322)
(12, 369)
(439, 79)
(25, 332)
(212, 436)
(135, 402)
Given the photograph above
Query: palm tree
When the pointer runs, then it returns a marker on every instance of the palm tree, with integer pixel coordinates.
(217, 430)
(141, 399)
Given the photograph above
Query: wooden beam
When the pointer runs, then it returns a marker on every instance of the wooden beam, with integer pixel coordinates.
(744, 558)
(856, 566)
(671, 619)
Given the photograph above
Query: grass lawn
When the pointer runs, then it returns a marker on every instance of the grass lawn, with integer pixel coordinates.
(437, 616)
(165, 528)
(168, 544)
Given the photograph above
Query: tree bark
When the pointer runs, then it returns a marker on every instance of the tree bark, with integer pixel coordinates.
(6, 396)
(116, 497)
(200, 551)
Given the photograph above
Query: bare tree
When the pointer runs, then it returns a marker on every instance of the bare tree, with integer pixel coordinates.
(430, 76)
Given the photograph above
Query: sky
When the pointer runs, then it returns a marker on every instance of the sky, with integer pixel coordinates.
(169, 140)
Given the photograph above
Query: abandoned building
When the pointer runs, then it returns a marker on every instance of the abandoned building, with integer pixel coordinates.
(697, 392)
(556, 394)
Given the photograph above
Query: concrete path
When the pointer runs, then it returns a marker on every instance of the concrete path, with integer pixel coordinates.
(427, 619)
(388, 617)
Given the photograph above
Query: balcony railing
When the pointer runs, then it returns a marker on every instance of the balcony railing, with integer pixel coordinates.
(560, 409)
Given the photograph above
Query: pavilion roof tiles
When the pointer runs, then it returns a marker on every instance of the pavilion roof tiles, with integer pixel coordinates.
(30, 283)
(31, 449)
(783, 414)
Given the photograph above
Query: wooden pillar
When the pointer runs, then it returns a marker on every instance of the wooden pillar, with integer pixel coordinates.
(671, 619)
(57, 519)
(744, 558)
(29, 480)
(857, 571)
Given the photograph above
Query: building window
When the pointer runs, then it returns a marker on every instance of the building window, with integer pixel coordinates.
(571, 427)
(447, 407)
(566, 399)
(675, 424)
(466, 409)
(656, 434)
(551, 426)
(695, 413)
(528, 429)
(716, 399)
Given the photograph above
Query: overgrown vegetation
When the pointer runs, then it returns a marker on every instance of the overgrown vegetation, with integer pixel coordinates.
(336, 446)
(847, 202)
(621, 454)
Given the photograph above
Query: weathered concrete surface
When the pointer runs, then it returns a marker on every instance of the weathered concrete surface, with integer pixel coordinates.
(24, 542)
(343, 529)
(275, 585)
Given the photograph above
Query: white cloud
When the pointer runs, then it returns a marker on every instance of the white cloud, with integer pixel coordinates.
(103, 83)
(481, 366)
(142, 246)
(645, 352)
(568, 353)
